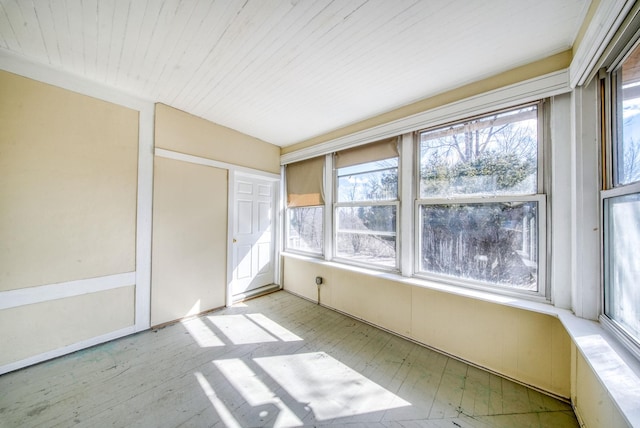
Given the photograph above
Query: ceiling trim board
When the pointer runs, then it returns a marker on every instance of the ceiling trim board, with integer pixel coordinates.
(547, 85)
(603, 26)
(52, 76)
(199, 160)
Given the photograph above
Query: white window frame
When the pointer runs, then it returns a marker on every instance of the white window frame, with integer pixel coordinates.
(285, 220)
(540, 198)
(356, 204)
(627, 42)
(541, 87)
(287, 237)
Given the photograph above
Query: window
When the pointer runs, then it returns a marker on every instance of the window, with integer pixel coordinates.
(305, 206)
(366, 205)
(481, 210)
(305, 231)
(621, 196)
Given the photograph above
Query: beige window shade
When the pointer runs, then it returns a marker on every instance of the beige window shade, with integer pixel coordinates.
(379, 150)
(304, 183)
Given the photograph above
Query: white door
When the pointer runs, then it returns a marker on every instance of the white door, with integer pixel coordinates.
(253, 234)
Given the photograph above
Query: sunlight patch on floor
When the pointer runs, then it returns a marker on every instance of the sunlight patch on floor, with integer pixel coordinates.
(201, 333)
(330, 388)
(240, 330)
(255, 392)
(224, 413)
(273, 328)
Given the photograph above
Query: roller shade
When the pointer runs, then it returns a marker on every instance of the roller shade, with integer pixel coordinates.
(383, 149)
(304, 183)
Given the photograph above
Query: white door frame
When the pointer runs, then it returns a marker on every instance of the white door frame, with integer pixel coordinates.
(262, 175)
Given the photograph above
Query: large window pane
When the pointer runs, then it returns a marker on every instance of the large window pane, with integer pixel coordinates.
(494, 243)
(492, 155)
(367, 234)
(369, 181)
(305, 231)
(627, 148)
(622, 237)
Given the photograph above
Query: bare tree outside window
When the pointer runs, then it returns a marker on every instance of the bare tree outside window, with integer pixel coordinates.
(628, 129)
(494, 157)
(366, 212)
(305, 231)
(621, 202)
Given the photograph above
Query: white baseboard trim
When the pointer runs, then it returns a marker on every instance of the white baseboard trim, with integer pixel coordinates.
(66, 350)
(44, 293)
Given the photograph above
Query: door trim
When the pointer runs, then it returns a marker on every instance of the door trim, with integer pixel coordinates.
(275, 180)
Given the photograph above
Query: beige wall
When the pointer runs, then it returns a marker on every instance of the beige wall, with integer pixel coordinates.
(68, 168)
(181, 132)
(68, 188)
(189, 254)
(592, 404)
(30, 330)
(189, 266)
(523, 345)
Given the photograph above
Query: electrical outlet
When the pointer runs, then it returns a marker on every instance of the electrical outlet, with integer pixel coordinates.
(318, 280)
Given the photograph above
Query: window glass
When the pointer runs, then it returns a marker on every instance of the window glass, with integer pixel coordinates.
(627, 148)
(366, 211)
(495, 243)
(479, 208)
(370, 181)
(305, 232)
(492, 155)
(305, 209)
(367, 234)
(623, 264)
(621, 202)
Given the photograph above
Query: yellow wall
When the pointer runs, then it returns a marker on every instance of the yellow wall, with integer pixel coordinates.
(189, 251)
(592, 404)
(68, 168)
(189, 239)
(523, 345)
(181, 132)
(33, 329)
(68, 188)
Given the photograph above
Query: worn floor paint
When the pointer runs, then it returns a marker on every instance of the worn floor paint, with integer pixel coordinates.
(273, 361)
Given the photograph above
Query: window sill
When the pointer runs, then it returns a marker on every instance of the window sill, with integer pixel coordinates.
(617, 369)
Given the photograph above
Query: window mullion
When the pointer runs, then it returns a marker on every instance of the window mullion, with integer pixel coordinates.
(405, 229)
(328, 207)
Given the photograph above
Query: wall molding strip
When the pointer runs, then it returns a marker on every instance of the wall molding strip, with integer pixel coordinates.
(170, 154)
(144, 217)
(66, 350)
(44, 293)
(522, 92)
(62, 79)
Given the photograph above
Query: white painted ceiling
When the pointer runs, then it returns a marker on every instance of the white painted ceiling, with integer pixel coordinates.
(287, 70)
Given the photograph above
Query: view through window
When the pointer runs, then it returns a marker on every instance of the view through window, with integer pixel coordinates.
(621, 200)
(481, 205)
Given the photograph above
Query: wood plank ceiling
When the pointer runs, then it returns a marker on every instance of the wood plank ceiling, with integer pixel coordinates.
(287, 70)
